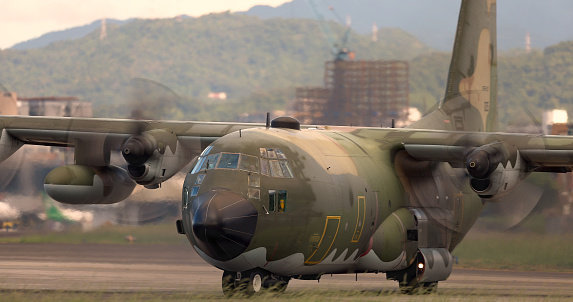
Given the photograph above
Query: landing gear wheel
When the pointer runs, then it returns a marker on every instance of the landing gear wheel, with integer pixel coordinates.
(252, 282)
(255, 284)
(427, 288)
(414, 288)
(228, 283)
(278, 285)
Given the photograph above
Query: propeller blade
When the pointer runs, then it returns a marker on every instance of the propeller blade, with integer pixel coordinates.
(511, 209)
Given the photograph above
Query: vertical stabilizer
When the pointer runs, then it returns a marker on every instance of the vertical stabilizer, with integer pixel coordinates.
(470, 102)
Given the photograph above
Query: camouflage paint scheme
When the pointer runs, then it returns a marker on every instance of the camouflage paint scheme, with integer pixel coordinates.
(355, 199)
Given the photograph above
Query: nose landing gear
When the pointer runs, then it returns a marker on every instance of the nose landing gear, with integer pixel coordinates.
(252, 282)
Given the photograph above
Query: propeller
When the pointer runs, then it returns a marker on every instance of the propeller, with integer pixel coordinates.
(9, 167)
(149, 101)
(510, 210)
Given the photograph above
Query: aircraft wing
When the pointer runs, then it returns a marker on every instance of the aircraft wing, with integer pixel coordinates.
(495, 162)
(539, 152)
(65, 131)
(154, 151)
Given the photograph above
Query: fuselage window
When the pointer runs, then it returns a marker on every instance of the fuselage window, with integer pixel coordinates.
(249, 163)
(228, 161)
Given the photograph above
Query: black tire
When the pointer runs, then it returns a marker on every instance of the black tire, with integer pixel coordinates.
(255, 282)
(427, 288)
(413, 288)
(276, 286)
(228, 283)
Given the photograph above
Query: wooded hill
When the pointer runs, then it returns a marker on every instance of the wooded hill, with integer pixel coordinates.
(258, 63)
(235, 54)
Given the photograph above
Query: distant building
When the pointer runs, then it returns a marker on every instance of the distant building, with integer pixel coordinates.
(552, 117)
(54, 106)
(8, 103)
(356, 93)
(217, 95)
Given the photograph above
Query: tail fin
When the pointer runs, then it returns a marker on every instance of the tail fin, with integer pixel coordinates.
(470, 102)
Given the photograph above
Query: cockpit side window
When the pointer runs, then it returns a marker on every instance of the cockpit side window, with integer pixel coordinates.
(198, 165)
(280, 154)
(276, 170)
(277, 200)
(272, 162)
(286, 169)
(264, 167)
(278, 165)
(282, 199)
(211, 161)
(271, 153)
(249, 163)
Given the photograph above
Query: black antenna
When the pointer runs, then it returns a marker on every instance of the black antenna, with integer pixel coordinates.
(268, 120)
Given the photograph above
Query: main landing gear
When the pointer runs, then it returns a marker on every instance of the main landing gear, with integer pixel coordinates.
(252, 282)
(409, 280)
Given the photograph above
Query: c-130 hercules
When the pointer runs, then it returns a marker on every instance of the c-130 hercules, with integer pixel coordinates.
(267, 204)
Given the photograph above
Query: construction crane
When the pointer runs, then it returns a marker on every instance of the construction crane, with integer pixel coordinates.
(338, 46)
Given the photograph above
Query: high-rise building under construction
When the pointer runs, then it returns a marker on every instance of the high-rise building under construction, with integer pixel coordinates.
(357, 93)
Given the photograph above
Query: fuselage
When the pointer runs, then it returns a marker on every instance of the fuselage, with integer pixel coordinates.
(310, 202)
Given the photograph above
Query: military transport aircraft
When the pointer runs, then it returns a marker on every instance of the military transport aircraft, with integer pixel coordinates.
(267, 203)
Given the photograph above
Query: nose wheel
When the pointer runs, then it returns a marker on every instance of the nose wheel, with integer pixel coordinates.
(252, 282)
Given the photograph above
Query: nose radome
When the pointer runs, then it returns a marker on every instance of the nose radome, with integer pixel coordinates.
(223, 224)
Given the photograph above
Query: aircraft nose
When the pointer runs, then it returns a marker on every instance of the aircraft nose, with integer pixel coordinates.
(223, 224)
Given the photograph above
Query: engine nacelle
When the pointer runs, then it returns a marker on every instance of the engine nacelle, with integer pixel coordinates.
(494, 170)
(76, 184)
(154, 156)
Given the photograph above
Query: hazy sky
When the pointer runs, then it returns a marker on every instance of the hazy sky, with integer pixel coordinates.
(21, 20)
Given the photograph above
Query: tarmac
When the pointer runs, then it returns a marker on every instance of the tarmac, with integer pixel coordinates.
(177, 268)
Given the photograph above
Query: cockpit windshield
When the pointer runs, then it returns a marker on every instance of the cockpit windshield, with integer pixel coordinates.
(271, 162)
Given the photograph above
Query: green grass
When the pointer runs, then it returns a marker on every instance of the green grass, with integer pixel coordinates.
(164, 233)
(298, 296)
(516, 251)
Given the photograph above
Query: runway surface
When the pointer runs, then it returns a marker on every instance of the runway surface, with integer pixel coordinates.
(177, 268)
